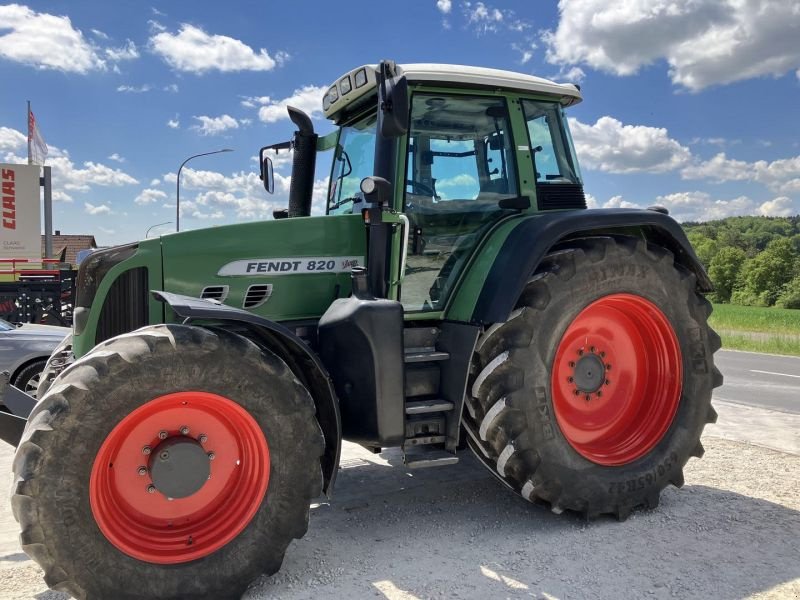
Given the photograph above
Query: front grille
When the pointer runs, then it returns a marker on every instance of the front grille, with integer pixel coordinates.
(557, 196)
(126, 305)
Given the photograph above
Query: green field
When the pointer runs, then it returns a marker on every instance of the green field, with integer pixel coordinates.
(773, 330)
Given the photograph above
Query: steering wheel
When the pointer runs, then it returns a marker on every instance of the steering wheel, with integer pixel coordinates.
(421, 189)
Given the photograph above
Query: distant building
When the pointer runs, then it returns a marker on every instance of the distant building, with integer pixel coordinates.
(66, 247)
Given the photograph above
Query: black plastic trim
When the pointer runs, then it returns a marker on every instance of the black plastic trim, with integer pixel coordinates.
(305, 364)
(530, 241)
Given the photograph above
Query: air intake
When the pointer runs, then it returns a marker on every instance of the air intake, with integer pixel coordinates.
(218, 293)
(257, 294)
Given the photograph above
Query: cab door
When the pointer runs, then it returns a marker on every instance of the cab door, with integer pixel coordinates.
(460, 166)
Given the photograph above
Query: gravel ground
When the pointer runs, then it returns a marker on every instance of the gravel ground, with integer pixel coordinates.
(454, 532)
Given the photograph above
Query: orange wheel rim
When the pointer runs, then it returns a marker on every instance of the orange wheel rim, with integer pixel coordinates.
(616, 380)
(141, 520)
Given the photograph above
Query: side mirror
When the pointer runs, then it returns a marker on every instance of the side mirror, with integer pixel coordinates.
(392, 102)
(267, 175)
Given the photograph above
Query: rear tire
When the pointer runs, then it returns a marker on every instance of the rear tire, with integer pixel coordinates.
(58, 475)
(595, 453)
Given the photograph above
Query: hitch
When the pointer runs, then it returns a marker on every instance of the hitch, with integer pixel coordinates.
(12, 424)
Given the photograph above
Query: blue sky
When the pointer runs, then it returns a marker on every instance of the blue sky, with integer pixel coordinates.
(692, 104)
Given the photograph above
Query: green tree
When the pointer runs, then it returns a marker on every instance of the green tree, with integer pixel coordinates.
(705, 247)
(764, 276)
(724, 272)
(790, 296)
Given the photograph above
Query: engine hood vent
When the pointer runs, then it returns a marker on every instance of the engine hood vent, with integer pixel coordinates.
(256, 295)
(217, 293)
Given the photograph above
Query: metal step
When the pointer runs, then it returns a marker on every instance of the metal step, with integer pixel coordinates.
(427, 355)
(426, 462)
(421, 458)
(425, 440)
(420, 407)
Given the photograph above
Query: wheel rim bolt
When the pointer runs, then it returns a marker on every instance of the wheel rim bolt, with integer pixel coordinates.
(591, 349)
(142, 471)
(599, 393)
(162, 435)
(151, 489)
(608, 367)
(184, 430)
(580, 352)
(602, 354)
(571, 364)
(203, 438)
(211, 456)
(146, 450)
(607, 382)
(570, 379)
(164, 455)
(577, 392)
(588, 397)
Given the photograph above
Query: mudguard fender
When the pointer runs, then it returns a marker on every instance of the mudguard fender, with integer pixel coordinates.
(303, 362)
(531, 240)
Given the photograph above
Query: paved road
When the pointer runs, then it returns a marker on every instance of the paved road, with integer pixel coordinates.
(761, 380)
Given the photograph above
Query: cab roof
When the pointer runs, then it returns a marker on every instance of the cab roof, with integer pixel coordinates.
(362, 81)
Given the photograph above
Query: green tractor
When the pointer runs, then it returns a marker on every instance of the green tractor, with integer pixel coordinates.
(454, 295)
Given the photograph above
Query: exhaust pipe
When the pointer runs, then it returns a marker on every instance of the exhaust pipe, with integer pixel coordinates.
(301, 187)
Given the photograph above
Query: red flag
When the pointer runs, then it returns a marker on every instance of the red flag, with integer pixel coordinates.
(37, 148)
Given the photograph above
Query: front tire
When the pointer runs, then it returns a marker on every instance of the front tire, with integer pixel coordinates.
(84, 492)
(593, 395)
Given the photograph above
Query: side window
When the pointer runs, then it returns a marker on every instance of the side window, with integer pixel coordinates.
(460, 164)
(551, 146)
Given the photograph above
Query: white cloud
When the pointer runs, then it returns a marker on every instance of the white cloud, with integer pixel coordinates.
(101, 209)
(701, 206)
(444, 6)
(458, 181)
(779, 207)
(172, 88)
(45, 41)
(12, 140)
(174, 123)
(308, 99)
(704, 42)
(155, 182)
(781, 176)
(126, 52)
(525, 51)
(571, 75)
(149, 195)
(132, 89)
(483, 18)
(195, 51)
(67, 177)
(611, 146)
(100, 34)
(116, 158)
(215, 125)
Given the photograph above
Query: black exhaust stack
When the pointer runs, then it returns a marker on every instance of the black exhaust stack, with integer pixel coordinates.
(303, 164)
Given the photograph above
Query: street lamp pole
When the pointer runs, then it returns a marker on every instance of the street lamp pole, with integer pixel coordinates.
(178, 190)
(146, 233)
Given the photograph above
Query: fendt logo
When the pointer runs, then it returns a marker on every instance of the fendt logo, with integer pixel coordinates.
(9, 200)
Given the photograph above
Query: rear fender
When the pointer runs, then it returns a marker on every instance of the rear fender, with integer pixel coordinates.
(303, 362)
(529, 242)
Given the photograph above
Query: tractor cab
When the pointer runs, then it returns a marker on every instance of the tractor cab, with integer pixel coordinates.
(468, 155)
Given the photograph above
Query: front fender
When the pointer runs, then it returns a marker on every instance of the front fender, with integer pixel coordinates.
(303, 362)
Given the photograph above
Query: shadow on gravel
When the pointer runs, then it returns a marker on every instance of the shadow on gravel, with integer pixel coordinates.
(456, 532)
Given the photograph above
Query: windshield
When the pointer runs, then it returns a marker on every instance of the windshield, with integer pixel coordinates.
(352, 162)
(6, 326)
